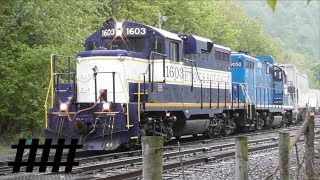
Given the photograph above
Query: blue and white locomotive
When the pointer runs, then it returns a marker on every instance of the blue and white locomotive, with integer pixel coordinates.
(134, 80)
(263, 88)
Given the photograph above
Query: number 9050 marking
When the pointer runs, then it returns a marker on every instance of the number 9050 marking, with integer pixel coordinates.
(236, 64)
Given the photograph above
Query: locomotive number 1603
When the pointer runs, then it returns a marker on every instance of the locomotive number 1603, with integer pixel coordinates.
(127, 31)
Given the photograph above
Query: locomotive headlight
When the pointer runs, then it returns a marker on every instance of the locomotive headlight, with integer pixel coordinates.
(118, 29)
(63, 107)
(106, 106)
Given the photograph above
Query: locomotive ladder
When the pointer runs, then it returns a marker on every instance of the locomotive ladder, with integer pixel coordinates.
(54, 78)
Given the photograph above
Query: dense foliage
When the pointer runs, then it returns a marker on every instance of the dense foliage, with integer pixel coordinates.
(296, 25)
(32, 30)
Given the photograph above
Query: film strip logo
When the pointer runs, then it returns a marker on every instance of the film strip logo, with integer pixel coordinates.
(46, 148)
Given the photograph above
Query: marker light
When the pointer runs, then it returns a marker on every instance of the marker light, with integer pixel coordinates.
(63, 107)
(106, 106)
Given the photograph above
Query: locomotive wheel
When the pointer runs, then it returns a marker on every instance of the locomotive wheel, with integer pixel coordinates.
(259, 124)
(168, 135)
(226, 131)
(259, 127)
(210, 133)
(267, 123)
(282, 125)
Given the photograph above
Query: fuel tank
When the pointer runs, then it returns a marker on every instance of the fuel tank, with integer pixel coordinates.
(190, 126)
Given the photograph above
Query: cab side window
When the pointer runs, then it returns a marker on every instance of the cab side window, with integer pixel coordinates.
(222, 56)
(173, 51)
(277, 75)
(92, 45)
(158, 45)
(249, 64)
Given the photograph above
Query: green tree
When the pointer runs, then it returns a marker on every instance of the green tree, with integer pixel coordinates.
(30, 31)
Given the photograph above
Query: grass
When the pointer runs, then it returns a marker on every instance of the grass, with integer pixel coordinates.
(4, 149)
(7, 141)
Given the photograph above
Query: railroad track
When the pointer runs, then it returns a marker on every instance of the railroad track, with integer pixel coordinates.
(80, 155)
(202, 139)
(184, 141)
(114, 169)
(196, 156)
(85, 157)
(134, 157)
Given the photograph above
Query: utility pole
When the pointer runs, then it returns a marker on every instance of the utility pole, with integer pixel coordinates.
(161, 19)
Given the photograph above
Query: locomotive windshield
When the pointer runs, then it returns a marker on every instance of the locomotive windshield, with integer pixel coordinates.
(277, 75)
(128, 43)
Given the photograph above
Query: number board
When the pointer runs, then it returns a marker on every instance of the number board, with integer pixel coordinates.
(236, 64)
(127, 31)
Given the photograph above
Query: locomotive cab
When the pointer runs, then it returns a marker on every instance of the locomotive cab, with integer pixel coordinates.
(137, 40)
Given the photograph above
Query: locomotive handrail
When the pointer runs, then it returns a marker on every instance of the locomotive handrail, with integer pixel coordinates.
(52, 69)
(247, 97)
(50, 89)
(152, 52)
(139, 94)
(151, 58)
(46, 104)
(53, 59)
(113, 84)
(201, 81)
(195, 65)
(160, 54)
(127, 99)
(188, 60)
(114, 93)
(225, 94)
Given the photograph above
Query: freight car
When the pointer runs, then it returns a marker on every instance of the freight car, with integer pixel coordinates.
(298, 89)
(313, 100)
